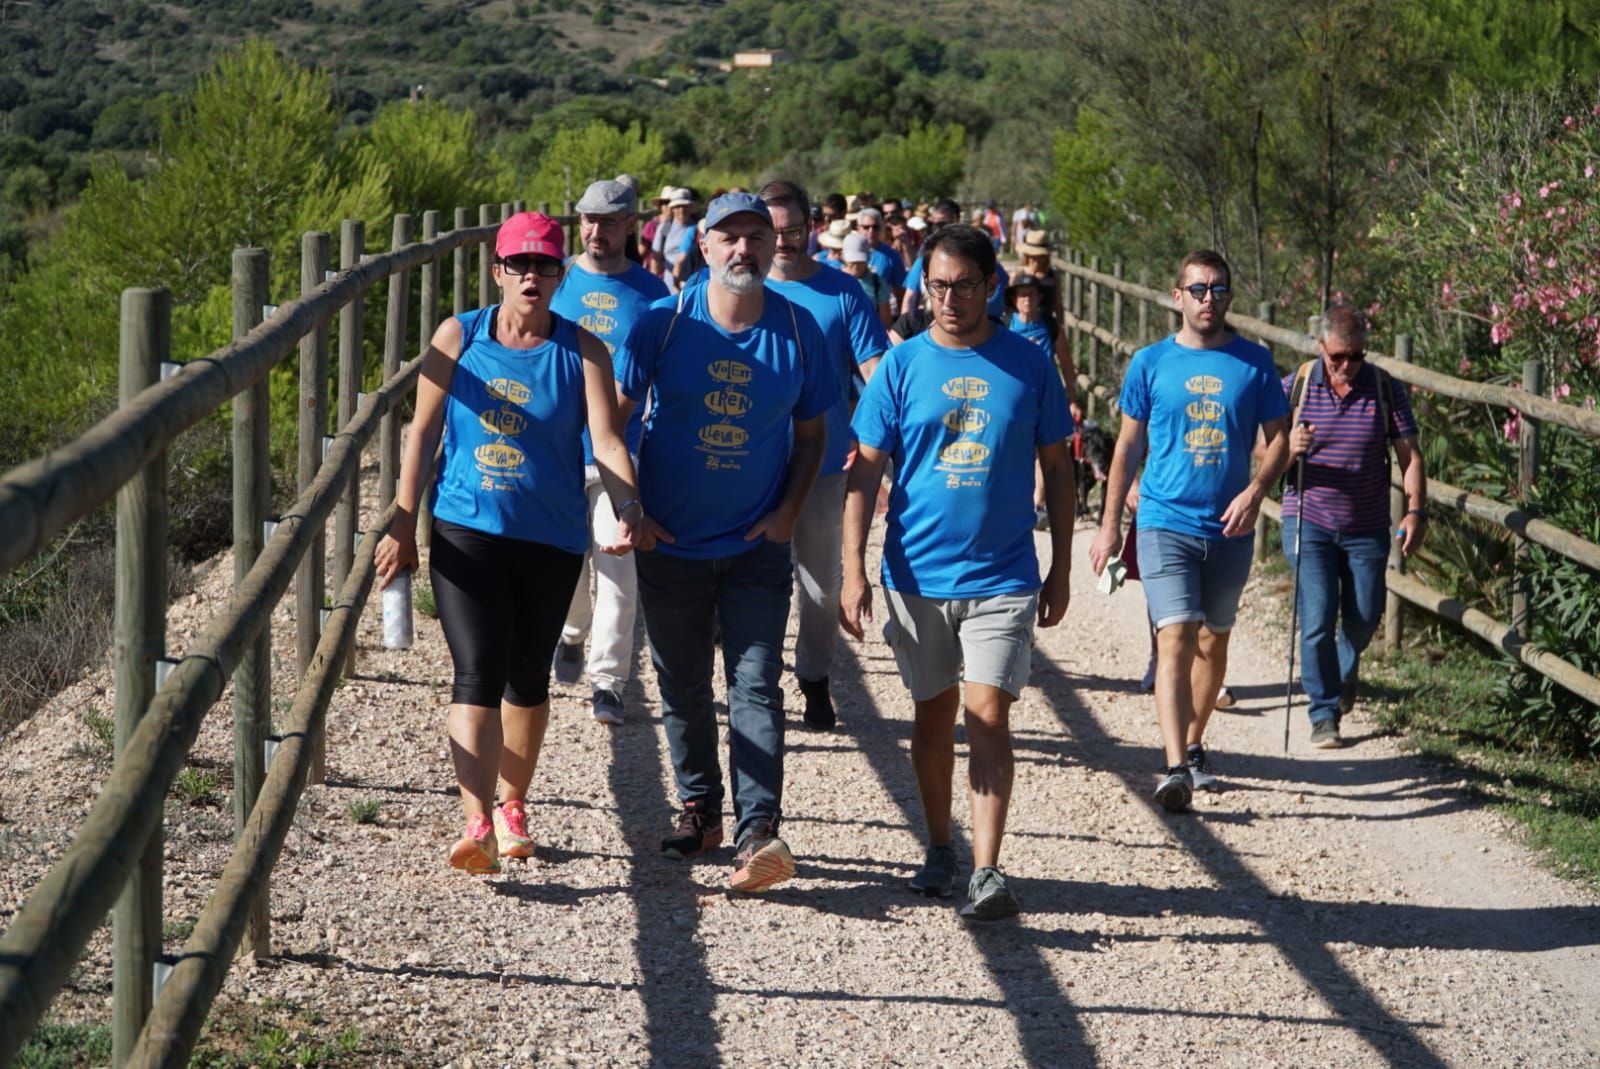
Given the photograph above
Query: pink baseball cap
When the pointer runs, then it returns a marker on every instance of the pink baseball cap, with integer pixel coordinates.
(530, 234)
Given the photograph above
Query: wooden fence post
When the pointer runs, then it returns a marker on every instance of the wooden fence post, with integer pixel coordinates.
(505, 210)
(571, 228)
(1116, 313)
(1092, 403)
(352, 244)
(1267, 312)
(427, 320)
(394, 347)
(252, 497)
(518, 206)
(458, 268)
(485, 258)
(310, 578)
(1527, 476)
(1074, 304)
(141, 622)
(1144, 308)
(1393, 611)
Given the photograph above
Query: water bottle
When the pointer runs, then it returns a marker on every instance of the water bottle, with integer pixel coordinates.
(398, 631)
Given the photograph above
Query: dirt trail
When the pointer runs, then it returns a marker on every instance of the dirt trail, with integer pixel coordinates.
(1348, 908)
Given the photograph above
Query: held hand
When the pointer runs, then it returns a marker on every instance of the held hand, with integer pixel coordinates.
(1104, 547)
(1054, 596)
(1412, 529)
(643, 535)
(1301, 439)
(1240, 515)
(775, 526)
(855, 605)
(395, 554)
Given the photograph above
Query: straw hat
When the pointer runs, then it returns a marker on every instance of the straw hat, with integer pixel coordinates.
(833, 237)
(1034, 243)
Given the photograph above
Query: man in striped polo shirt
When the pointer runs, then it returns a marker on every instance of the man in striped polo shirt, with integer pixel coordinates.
(1343, 534)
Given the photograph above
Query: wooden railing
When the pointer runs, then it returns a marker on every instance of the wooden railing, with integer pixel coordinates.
(115, 858)
(1093, 333)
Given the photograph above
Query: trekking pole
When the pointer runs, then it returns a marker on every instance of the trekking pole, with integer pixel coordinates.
(1294, 603)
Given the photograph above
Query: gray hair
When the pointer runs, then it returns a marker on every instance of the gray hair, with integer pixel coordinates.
(1343, 322)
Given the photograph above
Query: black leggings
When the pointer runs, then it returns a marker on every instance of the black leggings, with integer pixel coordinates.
(502, 603)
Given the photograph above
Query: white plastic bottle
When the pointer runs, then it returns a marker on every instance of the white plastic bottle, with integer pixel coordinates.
(398, 630)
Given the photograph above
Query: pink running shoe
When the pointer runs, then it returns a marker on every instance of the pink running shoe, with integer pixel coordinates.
(476, 852)
(511, 826)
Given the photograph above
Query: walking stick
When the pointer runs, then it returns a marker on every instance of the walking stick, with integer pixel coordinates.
(1294, 603)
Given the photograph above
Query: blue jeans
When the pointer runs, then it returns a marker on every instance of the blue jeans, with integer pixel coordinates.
(1340, 603)
(747, 597)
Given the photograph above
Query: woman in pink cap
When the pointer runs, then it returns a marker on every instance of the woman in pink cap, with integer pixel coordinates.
(510, 389)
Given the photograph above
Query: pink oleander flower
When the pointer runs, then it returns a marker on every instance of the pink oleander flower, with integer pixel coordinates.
(1564, 390)
(1500, 332)
(1463, 366)
(1512, 426)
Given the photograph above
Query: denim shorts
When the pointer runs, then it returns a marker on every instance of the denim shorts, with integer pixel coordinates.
(1188, 578)
(939, 641)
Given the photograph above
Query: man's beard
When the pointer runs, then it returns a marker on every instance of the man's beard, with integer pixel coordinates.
(738, 278)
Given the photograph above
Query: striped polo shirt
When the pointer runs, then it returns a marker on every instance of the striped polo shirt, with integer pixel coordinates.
(1347, 469)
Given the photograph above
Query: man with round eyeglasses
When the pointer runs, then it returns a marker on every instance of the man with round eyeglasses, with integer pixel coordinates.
(964, 409)
(1191, 406)
(604, 292)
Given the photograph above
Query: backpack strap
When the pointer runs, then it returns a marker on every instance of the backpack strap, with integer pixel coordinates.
(1297, 392)
(798, 344)
(676, 312)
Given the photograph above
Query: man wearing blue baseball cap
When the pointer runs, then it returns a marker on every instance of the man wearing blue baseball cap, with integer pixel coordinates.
(741, 384)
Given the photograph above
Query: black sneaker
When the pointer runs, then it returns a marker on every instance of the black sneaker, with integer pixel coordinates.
(819, 706)
(988, 898)
(937, 877)
(567, 665)
(762, 860)
(697, 830)
(1347, 697)
(1175, 790)
(1200, 775)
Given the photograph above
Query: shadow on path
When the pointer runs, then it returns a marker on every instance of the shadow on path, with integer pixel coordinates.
(1047, 1025)
(1301, 928)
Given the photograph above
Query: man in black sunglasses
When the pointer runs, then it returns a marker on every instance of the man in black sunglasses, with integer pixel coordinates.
(1191, 406)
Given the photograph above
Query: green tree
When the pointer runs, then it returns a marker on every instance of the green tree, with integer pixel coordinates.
(434, 157)
(925, 162)
(577, 157)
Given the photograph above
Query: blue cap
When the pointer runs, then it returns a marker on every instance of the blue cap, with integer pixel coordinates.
(731, 204)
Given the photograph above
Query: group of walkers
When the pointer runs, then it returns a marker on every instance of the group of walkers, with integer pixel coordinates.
(619, 436)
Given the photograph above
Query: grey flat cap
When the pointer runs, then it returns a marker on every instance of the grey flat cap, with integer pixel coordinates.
(608, 197)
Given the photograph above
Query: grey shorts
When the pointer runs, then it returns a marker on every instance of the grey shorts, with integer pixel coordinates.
(935, 638)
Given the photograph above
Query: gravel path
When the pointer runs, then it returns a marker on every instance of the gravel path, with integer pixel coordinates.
(1347, 908)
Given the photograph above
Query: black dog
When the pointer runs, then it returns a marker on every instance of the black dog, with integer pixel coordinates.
(1091, 460)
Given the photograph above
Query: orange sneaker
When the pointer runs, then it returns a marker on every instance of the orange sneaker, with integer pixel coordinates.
(511, 828)
(476, 852)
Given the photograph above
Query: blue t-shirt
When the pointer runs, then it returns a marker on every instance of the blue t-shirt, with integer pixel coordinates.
(886, 263)
(715, 455)
(962, 426)
(997, 303)
(853, 333)
(513, 449)
(607, 306)
(1037, 332)
(1202, 408)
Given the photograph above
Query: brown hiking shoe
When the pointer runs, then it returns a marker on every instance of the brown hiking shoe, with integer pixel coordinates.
(697, 830)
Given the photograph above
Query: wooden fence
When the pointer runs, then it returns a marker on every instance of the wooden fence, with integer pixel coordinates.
(1097, 331)
(115, 861)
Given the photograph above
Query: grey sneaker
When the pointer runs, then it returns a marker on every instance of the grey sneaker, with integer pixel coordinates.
(1325, 735)
(1175, 790)
(568, 663)
(607, 707)
(937, 877)
(1200, 775)
(987, 897)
